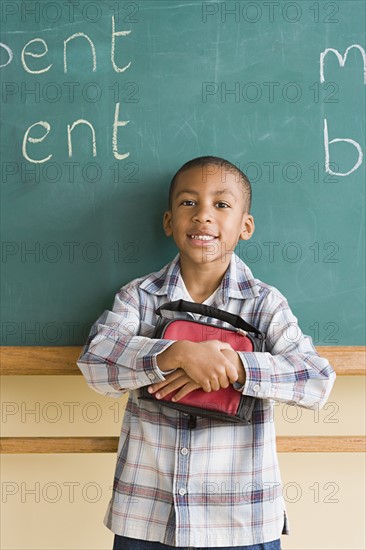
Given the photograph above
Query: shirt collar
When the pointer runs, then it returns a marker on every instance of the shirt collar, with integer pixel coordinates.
(165, 281)
(238, 282)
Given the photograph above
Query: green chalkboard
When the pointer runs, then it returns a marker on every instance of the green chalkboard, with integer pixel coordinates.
(267, 85)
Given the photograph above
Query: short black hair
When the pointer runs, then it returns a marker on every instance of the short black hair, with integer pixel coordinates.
(220, 163)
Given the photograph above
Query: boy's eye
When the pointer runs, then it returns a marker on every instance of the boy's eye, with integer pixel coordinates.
(190, 202)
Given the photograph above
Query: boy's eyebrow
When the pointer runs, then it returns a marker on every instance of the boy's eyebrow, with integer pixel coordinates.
(225, 191)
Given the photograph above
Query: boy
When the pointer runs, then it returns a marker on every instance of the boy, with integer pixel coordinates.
(217, 485)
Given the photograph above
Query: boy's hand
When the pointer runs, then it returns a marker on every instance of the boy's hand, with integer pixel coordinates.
(203, 362)
(177, 380)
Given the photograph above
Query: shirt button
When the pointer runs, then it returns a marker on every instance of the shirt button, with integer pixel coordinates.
(256, 387)
(184, 451)
(151, 375)
(182, 491)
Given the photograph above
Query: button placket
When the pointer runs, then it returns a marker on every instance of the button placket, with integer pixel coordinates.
(183, 445)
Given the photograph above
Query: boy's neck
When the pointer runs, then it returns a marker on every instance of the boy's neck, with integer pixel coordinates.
(202, 280)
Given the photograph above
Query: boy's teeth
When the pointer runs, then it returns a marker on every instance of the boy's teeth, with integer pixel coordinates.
(202, 237)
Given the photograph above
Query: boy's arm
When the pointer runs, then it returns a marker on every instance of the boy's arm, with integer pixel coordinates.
(115, 358)
(290, 370)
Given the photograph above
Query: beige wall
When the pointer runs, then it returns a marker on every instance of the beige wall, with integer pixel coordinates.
(58, 502)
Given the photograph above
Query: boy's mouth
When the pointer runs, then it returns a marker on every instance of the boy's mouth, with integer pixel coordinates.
(202, 237)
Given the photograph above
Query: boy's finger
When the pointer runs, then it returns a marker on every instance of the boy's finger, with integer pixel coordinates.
(224, 381)
(185, 391)
(172, 386)
(231, 371)
(169, 378)
(215, 383)
(206, 386)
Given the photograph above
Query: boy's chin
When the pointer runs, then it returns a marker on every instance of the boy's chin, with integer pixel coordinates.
(206, 257)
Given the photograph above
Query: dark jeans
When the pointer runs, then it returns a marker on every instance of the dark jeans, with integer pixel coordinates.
(124, 543)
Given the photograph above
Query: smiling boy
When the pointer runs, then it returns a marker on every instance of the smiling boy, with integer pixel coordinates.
(217, 485)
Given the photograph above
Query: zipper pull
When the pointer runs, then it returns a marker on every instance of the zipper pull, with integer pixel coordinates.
(192, 422)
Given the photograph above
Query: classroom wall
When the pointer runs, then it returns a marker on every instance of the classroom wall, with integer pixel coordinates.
(246, 86)
(57, 502)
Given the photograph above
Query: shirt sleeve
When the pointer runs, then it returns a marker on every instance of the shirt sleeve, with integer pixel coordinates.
(290, 370)
(116, 358)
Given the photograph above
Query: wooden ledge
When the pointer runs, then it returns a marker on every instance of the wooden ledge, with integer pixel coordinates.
(321, 444)
(55, 445)
(346, 360)
(38, 360)
(285, 444)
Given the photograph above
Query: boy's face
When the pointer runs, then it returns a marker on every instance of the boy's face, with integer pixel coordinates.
(208, 215)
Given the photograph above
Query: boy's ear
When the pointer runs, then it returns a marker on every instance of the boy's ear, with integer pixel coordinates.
(167, 223)
(247, 227)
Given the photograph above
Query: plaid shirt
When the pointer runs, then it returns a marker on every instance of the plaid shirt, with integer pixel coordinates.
(217, 484)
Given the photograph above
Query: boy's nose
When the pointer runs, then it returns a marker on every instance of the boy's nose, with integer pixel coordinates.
(203, 215)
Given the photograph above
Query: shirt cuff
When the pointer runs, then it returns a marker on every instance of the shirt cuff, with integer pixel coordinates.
(151, 371)
(257, 374)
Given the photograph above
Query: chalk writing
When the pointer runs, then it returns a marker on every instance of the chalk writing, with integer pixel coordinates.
(342, 60)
